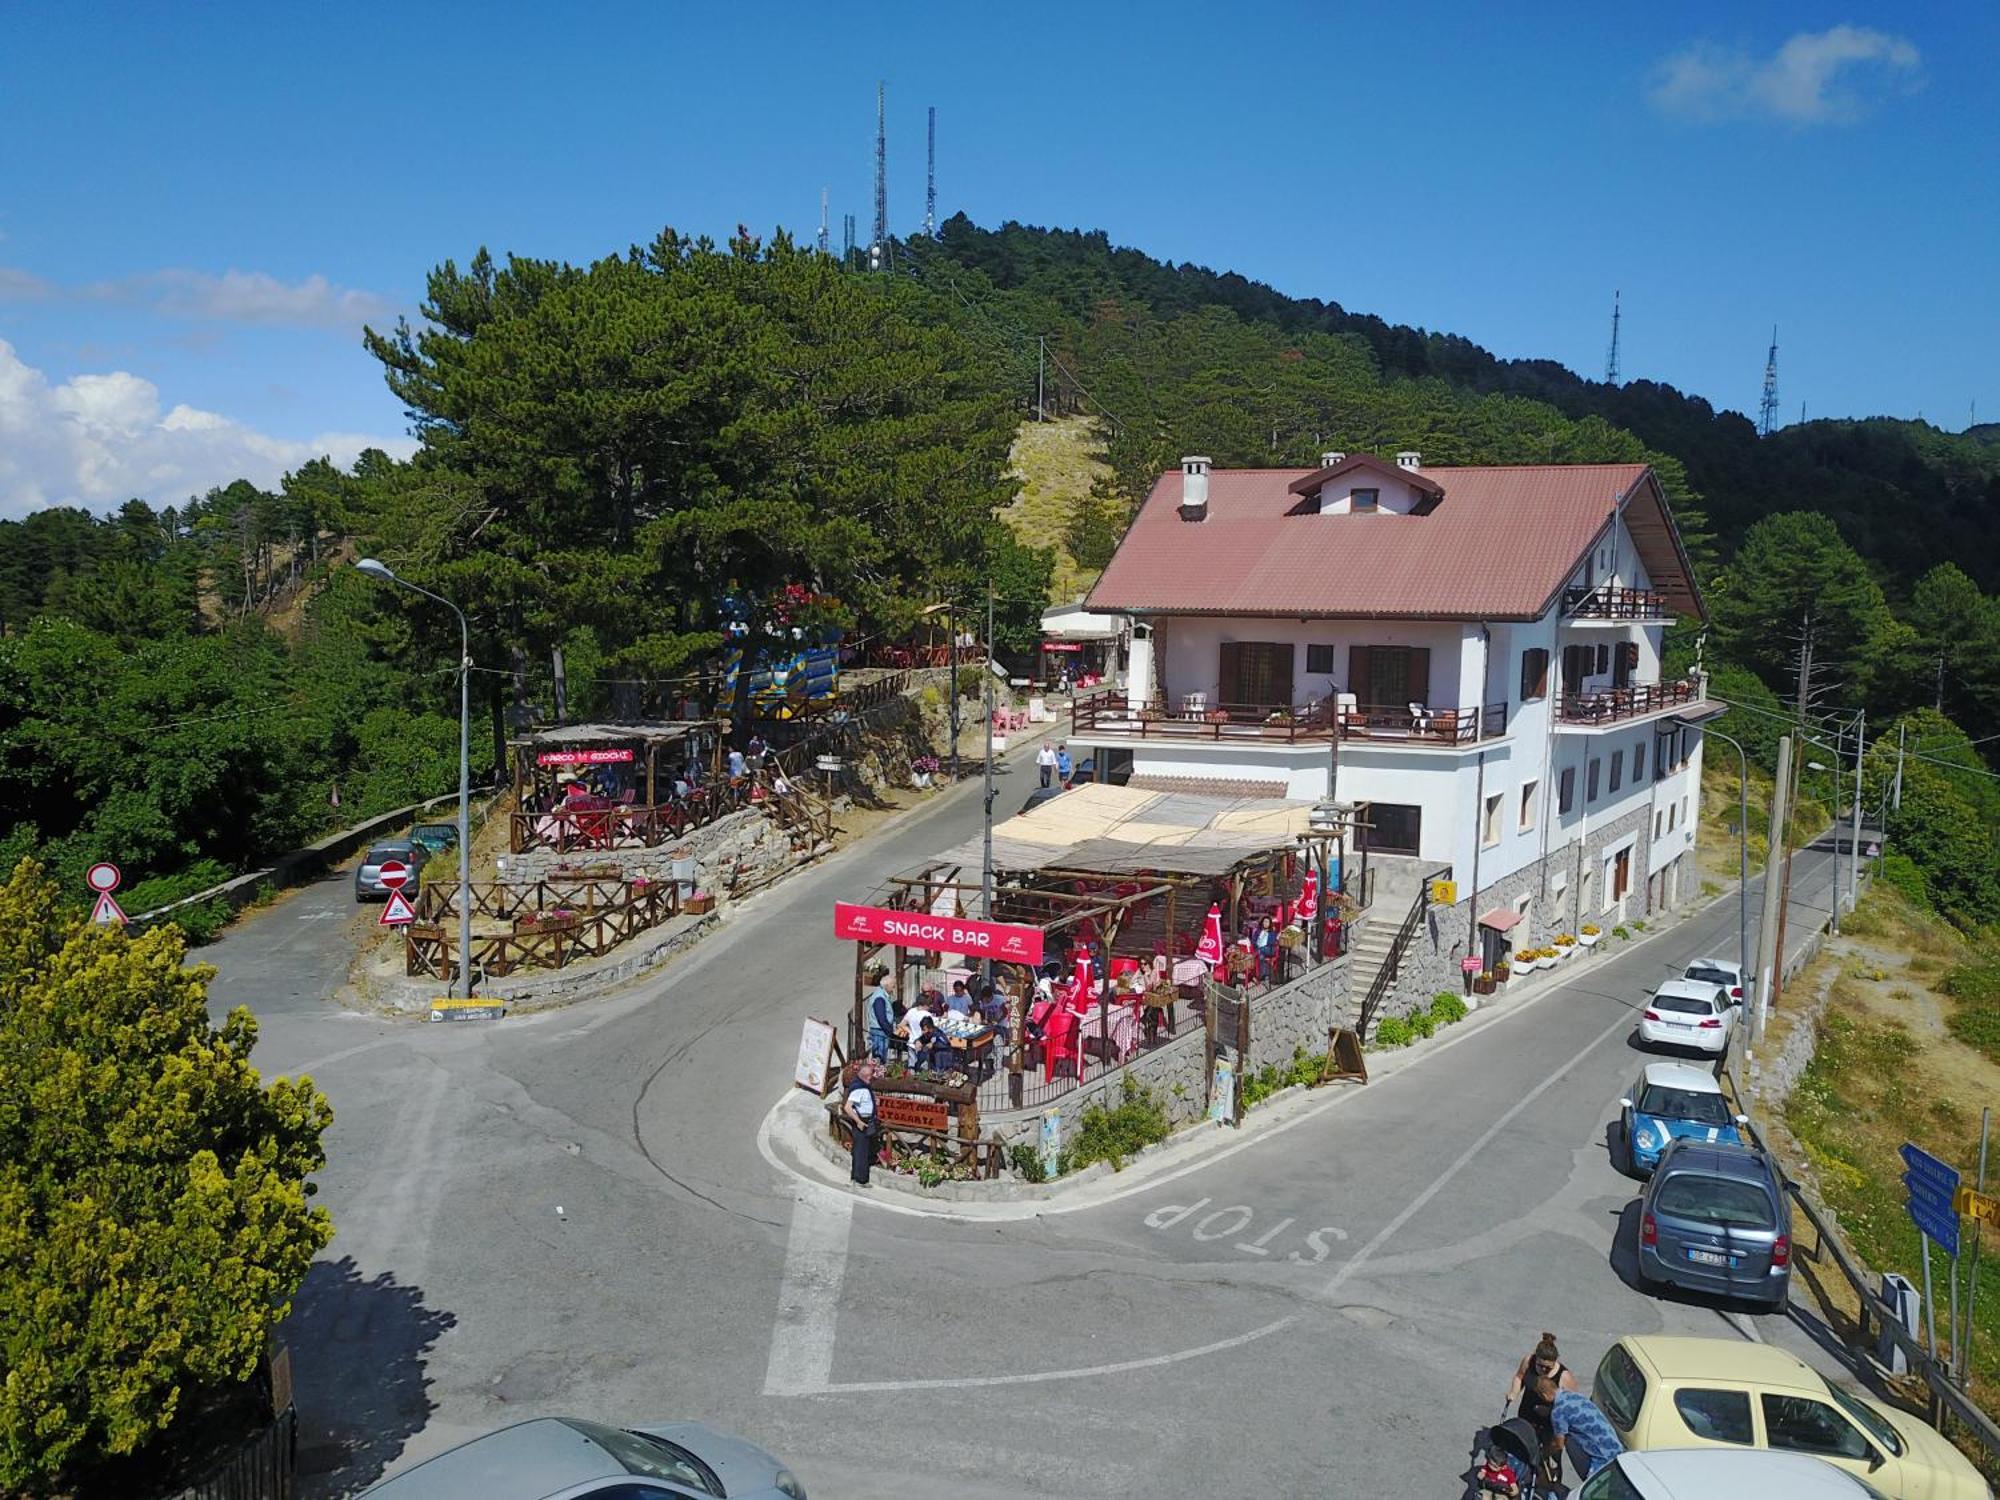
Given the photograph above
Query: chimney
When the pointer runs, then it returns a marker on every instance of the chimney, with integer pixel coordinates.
(1194, 488)
(1409, 458)
(1333, 456)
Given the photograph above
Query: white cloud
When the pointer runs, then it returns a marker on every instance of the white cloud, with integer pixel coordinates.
(98, 440)
(1815, 78)
(252, 297)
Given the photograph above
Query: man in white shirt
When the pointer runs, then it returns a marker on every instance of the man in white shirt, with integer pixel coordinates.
(1045, 762)
(858, 1108)
(737, 765)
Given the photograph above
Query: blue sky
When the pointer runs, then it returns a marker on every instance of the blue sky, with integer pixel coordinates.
(199, 205)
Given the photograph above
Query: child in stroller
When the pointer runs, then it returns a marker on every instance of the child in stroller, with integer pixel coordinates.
(1505, 1458)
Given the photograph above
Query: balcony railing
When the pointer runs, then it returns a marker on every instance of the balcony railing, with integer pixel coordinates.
(1615, 705)
(1114, 714)
(1607, 603)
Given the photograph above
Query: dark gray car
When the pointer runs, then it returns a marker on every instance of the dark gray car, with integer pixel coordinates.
(1713, 1219)
(567, 1458)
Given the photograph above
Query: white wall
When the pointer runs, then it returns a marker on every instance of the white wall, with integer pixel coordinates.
(1188, 651)
(1393, 496)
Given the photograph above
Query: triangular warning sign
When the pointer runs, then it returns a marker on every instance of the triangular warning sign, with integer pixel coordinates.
(397, 911)
(107, 912)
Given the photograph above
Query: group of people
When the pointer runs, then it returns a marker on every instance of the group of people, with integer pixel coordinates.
(1055, 765)
(1564, 1419)
(920, 1032)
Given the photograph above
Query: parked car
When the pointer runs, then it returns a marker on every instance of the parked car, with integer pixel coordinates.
(567, 1456)
(1723, 1474)
(1665, 1392)
(1686, 1013)
(1723, 971)
(436, 838)
(1041, 796)
(368, 874)
(1674, 1101)
(1714, 1219)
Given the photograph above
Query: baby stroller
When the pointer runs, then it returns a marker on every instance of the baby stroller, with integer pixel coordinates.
(1511, 1446)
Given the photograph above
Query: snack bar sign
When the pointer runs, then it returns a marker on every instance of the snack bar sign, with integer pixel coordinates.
(584, 758)
(916, 929)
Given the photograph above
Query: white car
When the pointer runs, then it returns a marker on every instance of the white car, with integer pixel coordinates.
(1723, 1474)
(1687, 1013)
(1723, 971)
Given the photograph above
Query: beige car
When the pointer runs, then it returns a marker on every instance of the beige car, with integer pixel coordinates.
(1662, 1392)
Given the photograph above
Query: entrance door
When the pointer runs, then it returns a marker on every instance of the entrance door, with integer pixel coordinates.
(1255, 674)
(1398, 827)
(1621, 874)
(1389, 676)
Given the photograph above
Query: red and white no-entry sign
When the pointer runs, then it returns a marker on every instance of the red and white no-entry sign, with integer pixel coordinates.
(394, 874)
(103, 878)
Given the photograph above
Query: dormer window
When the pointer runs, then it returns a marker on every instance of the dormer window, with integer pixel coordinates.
(1366, 501)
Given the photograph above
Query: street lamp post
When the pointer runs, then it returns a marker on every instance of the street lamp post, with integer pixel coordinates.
(380, 570)
(1834, 905)
(1742, 847)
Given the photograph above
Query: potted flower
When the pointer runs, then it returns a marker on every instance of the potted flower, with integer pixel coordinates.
(700, 903)
(1565, 944)
(1482, 982)
(1502, 972)
(1528, 960)
(1589, 934)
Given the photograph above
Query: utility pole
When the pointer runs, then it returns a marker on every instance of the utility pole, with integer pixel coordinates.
(930, 181)
(878, 247)
(1896, 799)
(986, 861)
(1041, 356)
(1854, 844)
(1769, 934)
(951, 628)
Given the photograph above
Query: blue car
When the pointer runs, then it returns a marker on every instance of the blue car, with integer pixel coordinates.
(1674, 1101)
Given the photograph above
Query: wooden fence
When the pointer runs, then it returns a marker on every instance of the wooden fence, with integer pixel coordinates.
(607, 828)
(547, 938)
(264, 1468)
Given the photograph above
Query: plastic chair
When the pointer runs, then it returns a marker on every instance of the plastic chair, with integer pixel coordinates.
(1059, 1040)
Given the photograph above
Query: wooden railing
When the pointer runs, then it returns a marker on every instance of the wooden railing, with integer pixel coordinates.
(606, 828)
(1607, 603)
(1614, 705)
(1114, 713)
(548, 938)
(1465, 725)
(264, 1468)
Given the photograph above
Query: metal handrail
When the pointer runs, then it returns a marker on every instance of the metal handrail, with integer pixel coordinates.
(1604, 602)
(1615, 705)
(1393, 959)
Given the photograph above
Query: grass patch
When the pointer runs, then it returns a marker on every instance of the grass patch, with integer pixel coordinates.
(1975, 1017)
(1056, 463)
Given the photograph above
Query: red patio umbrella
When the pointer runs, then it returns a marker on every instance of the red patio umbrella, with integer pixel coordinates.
(1082, 993)
(1308, 903)
(1209, 949)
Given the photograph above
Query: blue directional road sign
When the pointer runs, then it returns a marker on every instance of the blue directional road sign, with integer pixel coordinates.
(1932, 1186)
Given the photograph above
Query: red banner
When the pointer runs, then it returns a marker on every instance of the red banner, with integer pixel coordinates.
(916, 929)
(1062, 645)
(583, 757)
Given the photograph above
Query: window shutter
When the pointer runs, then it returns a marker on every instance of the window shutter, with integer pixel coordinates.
(1229, 677)
(1568, 784)
(1282, 658)
(1359, 680)
(1534, 674)
(1575, 668)
(1603, 658)
(1419, 685)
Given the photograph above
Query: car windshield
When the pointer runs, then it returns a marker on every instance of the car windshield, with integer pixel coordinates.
(1683, 1104)
(1877, 1426)
(1703, 974)
(654, 1457)
(1683, 1005)
(382, 853)
(1714, 1200)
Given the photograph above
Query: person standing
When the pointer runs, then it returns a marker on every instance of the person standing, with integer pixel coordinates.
(737, 765)
(1543, 1362)
(858, 1109)
(1065, 768)
(881, 1016)
(1580, 1429)
(1045, 762)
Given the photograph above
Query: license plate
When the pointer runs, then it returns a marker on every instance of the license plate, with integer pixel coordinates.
(1711, 1258)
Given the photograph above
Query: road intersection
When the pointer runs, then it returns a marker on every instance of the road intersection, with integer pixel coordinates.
(571, 1212)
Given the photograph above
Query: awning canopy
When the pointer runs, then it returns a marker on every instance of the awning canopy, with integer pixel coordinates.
(1072, 622)
(1500, 919)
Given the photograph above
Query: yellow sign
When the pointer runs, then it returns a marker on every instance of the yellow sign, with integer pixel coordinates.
(1976, 1205)
(474, 1009)
(1444, 893)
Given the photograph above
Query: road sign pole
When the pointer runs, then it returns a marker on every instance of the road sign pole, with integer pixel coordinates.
(1978, 1233)
(1951, 1321)
(1930, 1309)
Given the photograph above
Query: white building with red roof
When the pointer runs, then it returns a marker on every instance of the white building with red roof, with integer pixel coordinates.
(1474, 653)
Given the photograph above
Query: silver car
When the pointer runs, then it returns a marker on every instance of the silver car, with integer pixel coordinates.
(368, 874)
(1714, 1219)
(567, 1458)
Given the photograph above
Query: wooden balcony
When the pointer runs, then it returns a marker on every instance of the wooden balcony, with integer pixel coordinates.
(1114, 715)
(1618, 705)
(1607, 603)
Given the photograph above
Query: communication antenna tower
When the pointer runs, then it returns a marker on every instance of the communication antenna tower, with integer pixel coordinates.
(847, 240)
(1611, 359)
(822, 221)
(878, 247)
(1767, 410)
(930, 181)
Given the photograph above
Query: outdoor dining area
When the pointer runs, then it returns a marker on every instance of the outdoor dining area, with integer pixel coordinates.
(600, 787)
(1107, 927)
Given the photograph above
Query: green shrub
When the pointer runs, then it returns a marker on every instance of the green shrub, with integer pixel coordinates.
(1303, 1071)
(1393, 1031)
(1620, 932)
(1420, 1023)
(1447, 1008)
(1136, 1121)
(1975, 1017)
(1027, 1161)
(1900, 873)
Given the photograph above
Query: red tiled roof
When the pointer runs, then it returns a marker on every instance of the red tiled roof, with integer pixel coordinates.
(1498, 546)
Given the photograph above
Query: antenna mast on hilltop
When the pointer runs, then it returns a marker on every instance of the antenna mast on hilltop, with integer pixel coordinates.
(1767, 410)
(930, 181)
(822, 221)
(847, 241)
(878, 248)
(1611, 359)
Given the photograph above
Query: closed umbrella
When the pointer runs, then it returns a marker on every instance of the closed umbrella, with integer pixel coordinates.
(1308, 903)
(1082, 996)
(1209, 949)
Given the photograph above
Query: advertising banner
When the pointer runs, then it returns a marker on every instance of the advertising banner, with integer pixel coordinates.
(584, 757)
(916, 929)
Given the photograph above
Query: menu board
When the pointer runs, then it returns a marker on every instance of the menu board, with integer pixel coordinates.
(815, 1068)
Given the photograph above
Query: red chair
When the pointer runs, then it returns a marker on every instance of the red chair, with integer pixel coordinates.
(1059, 1040)
(1123, 966)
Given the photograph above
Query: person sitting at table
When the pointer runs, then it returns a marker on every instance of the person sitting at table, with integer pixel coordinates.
(931, 1048)
(914, 1021)
(995, 1001)
(959, 1002)
(1265, 944)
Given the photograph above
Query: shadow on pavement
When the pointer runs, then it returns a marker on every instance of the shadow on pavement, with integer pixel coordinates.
(358, 1346)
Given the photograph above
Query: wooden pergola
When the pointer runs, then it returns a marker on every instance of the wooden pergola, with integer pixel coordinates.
(546, 757)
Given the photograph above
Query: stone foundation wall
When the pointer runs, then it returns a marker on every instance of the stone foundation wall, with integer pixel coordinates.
(745, 842)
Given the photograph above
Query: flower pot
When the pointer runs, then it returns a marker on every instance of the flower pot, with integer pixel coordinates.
(1589, 939)
(699, 904)
(1482, 986)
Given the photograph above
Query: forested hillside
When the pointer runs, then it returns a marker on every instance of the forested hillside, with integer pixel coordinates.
(609, 450)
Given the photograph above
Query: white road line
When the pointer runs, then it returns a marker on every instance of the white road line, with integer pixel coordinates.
(801, 1362)
(1416, 1205)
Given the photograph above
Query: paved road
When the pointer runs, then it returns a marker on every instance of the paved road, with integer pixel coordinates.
(569, 1212)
